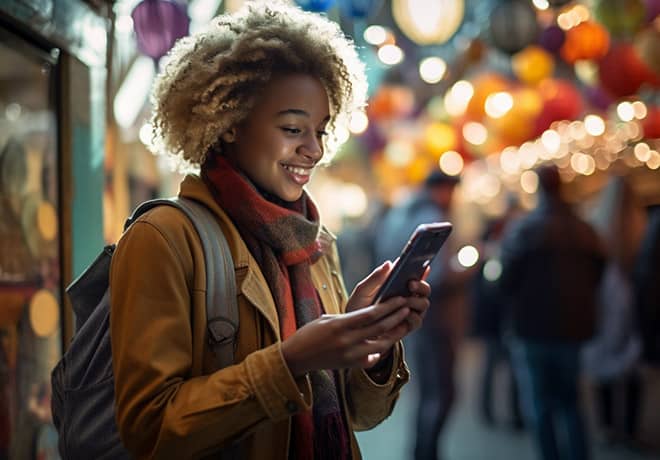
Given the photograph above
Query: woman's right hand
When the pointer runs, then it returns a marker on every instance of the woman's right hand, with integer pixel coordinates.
(354, 339)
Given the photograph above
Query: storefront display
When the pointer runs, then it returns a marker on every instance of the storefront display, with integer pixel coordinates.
(30, 246)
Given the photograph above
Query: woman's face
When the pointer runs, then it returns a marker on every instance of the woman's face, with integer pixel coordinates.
(281, 140)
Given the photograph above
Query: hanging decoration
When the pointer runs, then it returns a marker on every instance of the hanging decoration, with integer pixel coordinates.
(532, 65)
(552, 38)
(622, 72)
(513, 25)
(317, 6)
(588, 40)
(561, 101)
(647, 47)
(428, 23)
(158, 25)
(621, 17)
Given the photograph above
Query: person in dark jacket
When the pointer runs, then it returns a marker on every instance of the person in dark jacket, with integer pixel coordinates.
(552, 262)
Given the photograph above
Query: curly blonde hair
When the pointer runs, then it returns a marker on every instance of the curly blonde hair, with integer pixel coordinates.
(213, 78)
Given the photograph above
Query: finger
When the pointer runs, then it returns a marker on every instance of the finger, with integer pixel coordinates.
(419, 288)
(418, 304)
(368, 287)
(382, 326)
(426, 272)
(368, 315)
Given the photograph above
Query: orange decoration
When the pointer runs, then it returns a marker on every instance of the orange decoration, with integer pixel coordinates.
(532, 65)
(587, 40)
(484, 86)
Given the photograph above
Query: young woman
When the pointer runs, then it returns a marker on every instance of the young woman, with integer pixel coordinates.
(253, 101)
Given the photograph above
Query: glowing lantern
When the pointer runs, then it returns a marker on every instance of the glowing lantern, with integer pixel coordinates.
(426, 22)
(532, 65)
(587, 40)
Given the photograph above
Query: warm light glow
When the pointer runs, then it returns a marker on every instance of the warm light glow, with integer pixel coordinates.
(551, 141)
(458, 97)
(358, 123)
(541, 4)
(133, 92)
(642, 151)
(390, 54)
(639, 109)
(124, 24)
(573, 17)
(353, 200)
(625, 111)
(492, 270)
(468, 256)
(428, 22)
(400, 152)
(509, 161)
(451, 163)
(375, 35)
(475, 133)
(583, 164)
(342, 134)
(654, 161)
(529, 181)
(576, 130)
(145, 134)
(528, 155)
(432, 69)
(498, 104)
(586, 71)
(594, 125)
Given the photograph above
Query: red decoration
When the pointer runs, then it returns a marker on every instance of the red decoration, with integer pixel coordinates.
(651, 124)
(622, 72)
(561, 101)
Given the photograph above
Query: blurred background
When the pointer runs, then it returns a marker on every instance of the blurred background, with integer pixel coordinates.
(484, 91)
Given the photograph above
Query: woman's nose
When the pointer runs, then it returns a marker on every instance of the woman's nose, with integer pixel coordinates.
(312, 148)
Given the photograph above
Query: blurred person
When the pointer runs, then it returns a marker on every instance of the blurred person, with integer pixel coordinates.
(552, 263)
(356, 243)
(489, 322)
(611, 358)
(253, 101)
(432, 349)
(646, 275)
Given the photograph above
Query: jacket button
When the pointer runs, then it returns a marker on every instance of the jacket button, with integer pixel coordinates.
(292, 407)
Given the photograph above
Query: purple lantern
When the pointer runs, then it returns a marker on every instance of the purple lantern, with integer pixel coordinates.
(552, 38)
(598, 97)
(652, 9)
(158, 24)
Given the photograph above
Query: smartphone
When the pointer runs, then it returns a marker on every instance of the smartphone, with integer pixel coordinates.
(418, 253)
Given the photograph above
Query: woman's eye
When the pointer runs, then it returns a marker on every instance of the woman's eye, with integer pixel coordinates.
(291, 130)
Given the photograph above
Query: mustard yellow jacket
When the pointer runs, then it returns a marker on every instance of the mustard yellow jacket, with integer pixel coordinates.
(171, 401)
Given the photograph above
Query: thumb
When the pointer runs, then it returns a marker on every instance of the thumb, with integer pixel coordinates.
(368, 287)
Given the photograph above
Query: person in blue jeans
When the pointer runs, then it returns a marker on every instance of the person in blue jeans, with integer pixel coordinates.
(552, 263)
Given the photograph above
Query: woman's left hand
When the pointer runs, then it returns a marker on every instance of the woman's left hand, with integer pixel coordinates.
(418, 302)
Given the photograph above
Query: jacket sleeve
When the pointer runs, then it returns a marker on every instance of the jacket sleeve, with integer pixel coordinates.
(369, 403)
(162, 410)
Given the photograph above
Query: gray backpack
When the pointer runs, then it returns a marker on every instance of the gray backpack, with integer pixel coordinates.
(83, 397)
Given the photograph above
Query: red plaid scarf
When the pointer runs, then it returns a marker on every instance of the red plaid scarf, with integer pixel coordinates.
(283, 238)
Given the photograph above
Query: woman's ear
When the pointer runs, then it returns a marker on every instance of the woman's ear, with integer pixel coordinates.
(229, 136)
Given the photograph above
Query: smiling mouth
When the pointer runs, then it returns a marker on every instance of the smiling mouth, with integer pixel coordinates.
(298, 170)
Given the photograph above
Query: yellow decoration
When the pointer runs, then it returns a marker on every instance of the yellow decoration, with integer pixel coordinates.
(438, 138)
(44, 313)
(518, 124)
(426, 22)
(532, 65)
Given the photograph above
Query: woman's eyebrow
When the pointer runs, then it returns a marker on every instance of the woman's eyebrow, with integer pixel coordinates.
(301, 112)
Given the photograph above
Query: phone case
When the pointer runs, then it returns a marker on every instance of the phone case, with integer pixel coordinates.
(418, 253)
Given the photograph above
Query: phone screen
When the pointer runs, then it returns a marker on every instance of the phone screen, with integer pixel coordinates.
(418, 253)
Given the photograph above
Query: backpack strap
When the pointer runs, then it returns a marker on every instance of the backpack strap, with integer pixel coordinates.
(221, 304)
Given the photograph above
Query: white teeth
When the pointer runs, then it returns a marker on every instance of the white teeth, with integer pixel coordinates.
(298, 171)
